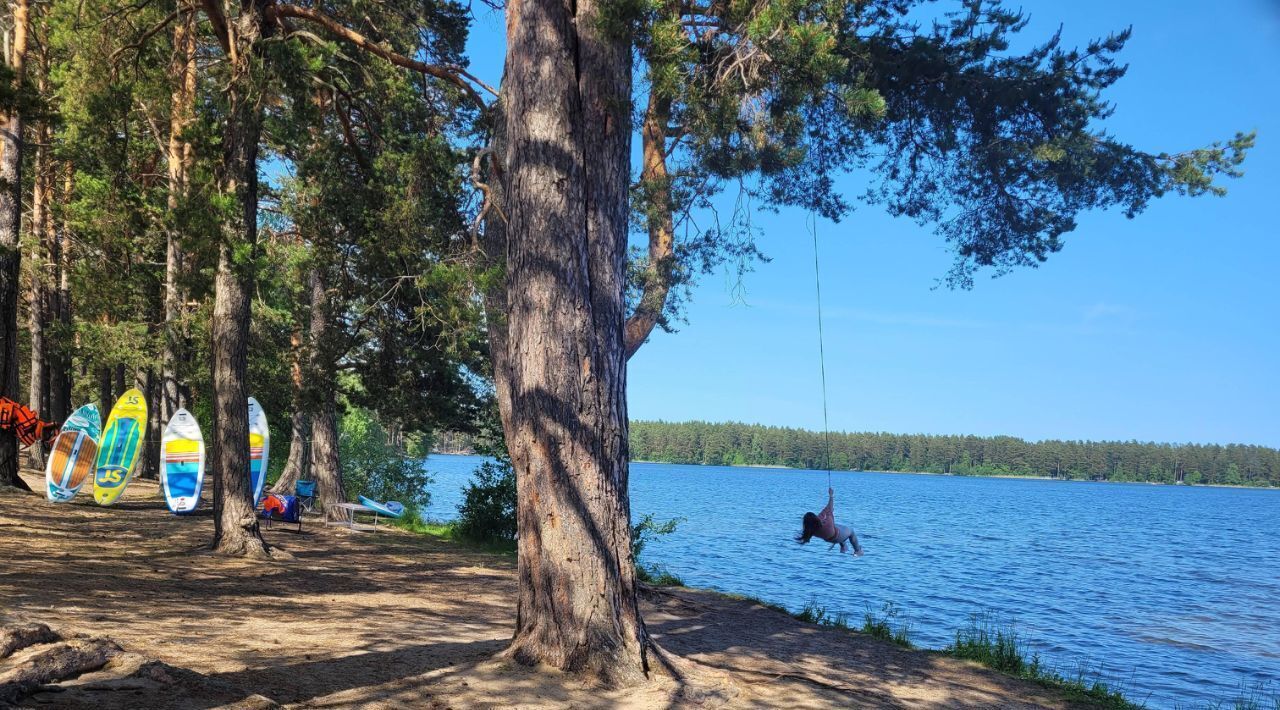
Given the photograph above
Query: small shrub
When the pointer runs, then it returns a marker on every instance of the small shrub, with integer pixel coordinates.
(644, 532)
(488, 509)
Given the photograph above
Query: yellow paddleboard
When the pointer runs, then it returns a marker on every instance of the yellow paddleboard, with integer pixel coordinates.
(121, 447)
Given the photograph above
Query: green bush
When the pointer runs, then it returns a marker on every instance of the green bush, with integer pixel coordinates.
(644, 532)
(488, 509)
(372, 467)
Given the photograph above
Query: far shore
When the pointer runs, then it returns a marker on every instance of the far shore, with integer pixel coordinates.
(1025, 476)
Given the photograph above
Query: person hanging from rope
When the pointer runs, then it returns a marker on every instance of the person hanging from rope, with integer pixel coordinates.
(823, 526)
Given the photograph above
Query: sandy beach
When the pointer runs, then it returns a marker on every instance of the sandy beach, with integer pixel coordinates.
(390, 619)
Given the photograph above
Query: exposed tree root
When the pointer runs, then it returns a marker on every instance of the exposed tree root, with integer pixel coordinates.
(59, 662)
(14, 638)
(696, 682)
(247, 543)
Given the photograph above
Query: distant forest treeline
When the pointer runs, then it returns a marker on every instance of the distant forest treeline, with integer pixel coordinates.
(733, 444)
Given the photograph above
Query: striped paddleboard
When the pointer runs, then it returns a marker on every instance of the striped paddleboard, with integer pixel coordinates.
(121, 446)
(182, 464)
(259, 449)
(75, 451)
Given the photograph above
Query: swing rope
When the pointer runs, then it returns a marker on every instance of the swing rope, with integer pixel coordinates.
(822, 356)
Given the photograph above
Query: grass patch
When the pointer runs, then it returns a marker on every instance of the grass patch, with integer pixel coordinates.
(657, 576)
(1261, 696)
(451, 532)
(998, 647)
(880, 626)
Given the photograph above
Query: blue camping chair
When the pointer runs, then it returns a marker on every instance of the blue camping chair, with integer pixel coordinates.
(306, 492)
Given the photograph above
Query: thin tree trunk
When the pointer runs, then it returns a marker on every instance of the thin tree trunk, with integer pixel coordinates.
(326, 464)
(235, 521)
(149, 383)
(38, 383)
(295, 467)
(10, 249)
(119, 384)
(182, 102)
(567, 93)
(60, 377)
(106, 401)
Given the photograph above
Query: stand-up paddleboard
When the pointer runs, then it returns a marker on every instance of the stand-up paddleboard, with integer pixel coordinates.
(259, 449)
(391, 508)
(121, 445)
(182, 463)
(74, 455)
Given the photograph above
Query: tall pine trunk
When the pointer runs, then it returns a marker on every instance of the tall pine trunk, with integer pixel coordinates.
(10, 248)
(60, 375)
(38, 317)
(182, 72)
(326, 464)
(235, 527)
(567, 93)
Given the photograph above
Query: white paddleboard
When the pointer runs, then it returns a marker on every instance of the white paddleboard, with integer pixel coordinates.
(259, 449)
(182, 462)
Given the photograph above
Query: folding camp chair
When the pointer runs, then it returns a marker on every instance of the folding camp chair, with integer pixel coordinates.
(281, 508)
(306, 492)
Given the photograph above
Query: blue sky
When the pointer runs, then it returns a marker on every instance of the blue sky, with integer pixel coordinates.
(1165, 327)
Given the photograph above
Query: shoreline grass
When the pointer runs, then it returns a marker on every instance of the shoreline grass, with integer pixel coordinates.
(999, 647)
(880, 626)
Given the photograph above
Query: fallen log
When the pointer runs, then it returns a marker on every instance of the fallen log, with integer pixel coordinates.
(14, 638)
(65, 660)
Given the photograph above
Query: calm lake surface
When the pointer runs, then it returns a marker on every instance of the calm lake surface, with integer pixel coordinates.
(1172, 593)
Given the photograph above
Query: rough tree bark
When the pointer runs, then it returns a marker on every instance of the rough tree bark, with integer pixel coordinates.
(326, 464)
(10, 248)
(566, 103)
(235, 530)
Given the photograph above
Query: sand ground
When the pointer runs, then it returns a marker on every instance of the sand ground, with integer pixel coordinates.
(388, 619)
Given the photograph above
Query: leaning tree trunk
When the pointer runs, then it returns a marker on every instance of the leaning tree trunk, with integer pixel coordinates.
(656, 182)
(326, 464)
(10, 254)
(235, 528)
(567, 97)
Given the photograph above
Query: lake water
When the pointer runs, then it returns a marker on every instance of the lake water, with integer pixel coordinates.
(1172, 593)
